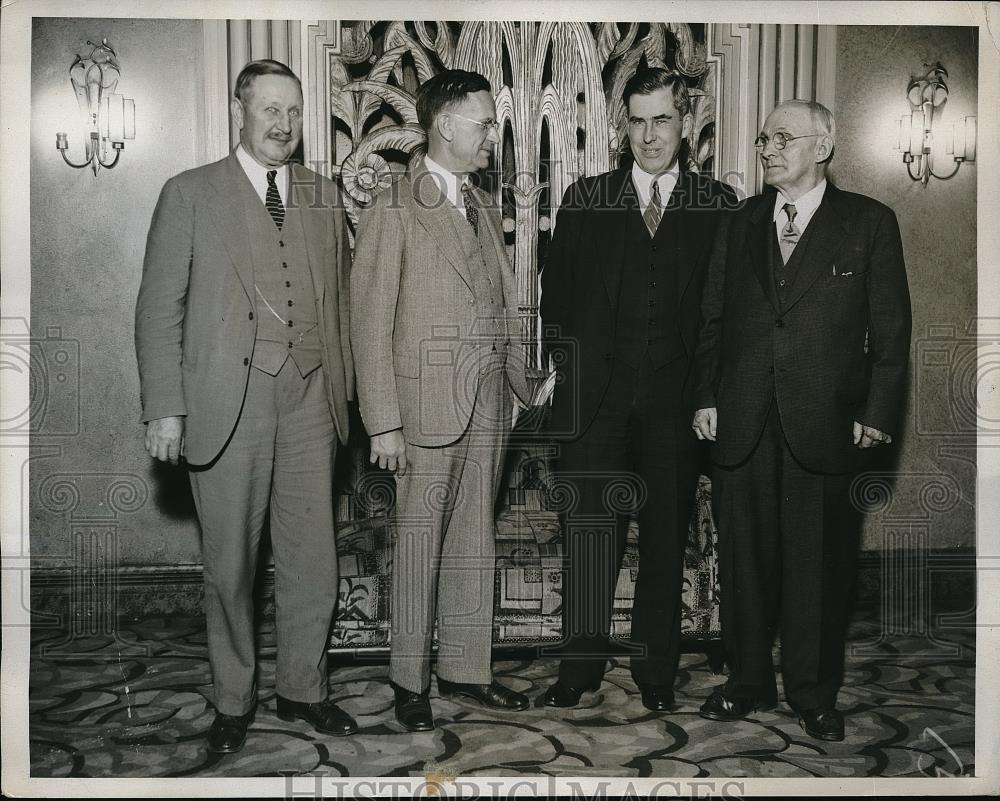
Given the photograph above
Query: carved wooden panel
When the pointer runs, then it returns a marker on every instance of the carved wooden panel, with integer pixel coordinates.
(557, 87)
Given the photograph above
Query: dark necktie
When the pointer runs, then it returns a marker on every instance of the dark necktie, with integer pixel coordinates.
(789, 234)
(471, 207)
(273, 200)
(654, 211)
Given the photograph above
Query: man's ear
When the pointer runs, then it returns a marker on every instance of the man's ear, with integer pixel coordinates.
(824, 148)
(443, 125)
(236, 109)
(687, 127)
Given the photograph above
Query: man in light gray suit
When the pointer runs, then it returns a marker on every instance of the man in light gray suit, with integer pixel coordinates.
(439, 362)
(241, 333)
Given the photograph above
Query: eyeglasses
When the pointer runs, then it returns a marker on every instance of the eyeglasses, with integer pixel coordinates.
(488, 126)
(779, 140)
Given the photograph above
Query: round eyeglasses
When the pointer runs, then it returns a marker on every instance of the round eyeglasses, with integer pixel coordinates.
(779, 140)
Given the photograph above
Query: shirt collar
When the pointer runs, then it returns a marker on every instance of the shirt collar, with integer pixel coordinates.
(257, 173)
(449, 182)
(643, 182)
(805, 206)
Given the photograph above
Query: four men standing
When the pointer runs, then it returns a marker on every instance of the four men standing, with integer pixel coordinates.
(245, 322)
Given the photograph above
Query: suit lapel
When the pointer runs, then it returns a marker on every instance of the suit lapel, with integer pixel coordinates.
(826, 233)
(436, 213)
(760, 233)
(232, 218)
(621, 200)
(675, 228)
(310, 213)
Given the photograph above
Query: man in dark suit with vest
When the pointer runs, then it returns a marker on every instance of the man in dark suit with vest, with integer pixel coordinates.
(623, 283)
(245, 366)
(801, 367)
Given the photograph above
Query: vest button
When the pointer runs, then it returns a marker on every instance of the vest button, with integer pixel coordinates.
(281, 243)
(284, 264)
(246, 361)
(770, 370)
(653, 248)
(290, 324)
(251, 315)
(781, 283)
(290, 303)
(779, 323)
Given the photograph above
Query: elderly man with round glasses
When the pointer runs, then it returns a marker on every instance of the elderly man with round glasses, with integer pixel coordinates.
(801, 368)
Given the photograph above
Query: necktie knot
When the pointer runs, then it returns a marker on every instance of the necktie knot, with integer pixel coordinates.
(273, 200)
(790, 231)
(654, 211)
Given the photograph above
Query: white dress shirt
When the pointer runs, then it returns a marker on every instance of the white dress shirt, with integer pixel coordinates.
(643, 182)
(805, 208)
(257, 173)
(450, 183)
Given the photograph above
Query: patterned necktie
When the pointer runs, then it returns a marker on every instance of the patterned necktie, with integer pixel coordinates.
(273, 200)
(654, 211)
(471, 207)
(789, 234)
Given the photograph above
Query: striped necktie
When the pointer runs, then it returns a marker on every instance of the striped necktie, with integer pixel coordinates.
(654, 211)
(273, 200)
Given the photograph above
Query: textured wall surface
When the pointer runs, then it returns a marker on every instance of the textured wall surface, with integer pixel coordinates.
(95, 494)
(932, 493)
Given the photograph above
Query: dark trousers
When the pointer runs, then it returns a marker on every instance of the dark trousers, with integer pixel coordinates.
(637, 457)
(788, 542)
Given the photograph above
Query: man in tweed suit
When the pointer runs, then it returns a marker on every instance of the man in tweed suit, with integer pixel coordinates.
(801, 367)
(245, 368)
(439, 363)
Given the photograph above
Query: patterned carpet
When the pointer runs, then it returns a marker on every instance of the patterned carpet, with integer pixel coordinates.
(136, 707)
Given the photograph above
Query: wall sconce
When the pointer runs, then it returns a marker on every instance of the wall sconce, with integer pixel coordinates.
(928, 95)
(108, 117)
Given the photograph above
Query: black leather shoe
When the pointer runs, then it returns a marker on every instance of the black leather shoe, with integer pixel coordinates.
(565, 695)
(657, 698)
(228, 732)
(720, 707)
(823, 724)
(325, 716)
(413, 710)
(493, 695)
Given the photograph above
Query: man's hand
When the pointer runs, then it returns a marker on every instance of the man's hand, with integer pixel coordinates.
(389, 450)
(868, 437)
(704, 423)
(165, 438)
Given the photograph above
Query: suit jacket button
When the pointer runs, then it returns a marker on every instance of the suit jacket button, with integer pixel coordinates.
(770, 370)
(251, 315)
(246, 361)
(780, 323)
(607, 357)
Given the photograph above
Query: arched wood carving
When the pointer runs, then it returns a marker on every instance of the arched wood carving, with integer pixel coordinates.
(557, 87)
